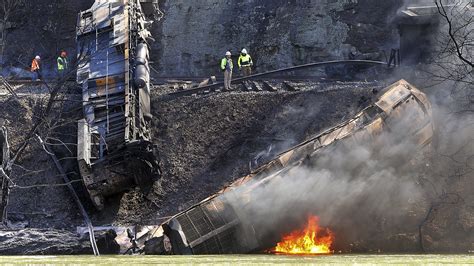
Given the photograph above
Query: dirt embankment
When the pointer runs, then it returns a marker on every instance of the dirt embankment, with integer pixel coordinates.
(207, 141)
(37, 198)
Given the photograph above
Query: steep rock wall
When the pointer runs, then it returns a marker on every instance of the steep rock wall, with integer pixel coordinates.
(44, 28)
(194, 35)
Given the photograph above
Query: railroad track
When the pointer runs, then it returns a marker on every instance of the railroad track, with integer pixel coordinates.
(180, 86)
(255, 82)
(25, 87)
(287, 85)
(270, 85)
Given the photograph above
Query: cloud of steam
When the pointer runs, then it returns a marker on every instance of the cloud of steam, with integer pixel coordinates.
(349, 186)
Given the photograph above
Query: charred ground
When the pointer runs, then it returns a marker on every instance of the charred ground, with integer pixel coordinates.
(206, 142)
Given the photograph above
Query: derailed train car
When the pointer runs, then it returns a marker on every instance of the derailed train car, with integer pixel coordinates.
(214, 226)
(115, 152)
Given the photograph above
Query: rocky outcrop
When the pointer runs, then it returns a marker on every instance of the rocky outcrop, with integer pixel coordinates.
(194, 35)
(41, 28)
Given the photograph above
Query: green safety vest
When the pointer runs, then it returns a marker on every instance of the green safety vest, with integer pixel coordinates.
(224, 64)
(245, 60)
(62, 63)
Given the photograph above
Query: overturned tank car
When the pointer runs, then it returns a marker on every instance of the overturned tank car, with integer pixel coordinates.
(214, 226)
(115, 152)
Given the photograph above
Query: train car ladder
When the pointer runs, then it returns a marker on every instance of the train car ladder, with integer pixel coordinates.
(107, 82)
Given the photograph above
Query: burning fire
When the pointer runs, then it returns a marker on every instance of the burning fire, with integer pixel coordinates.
(311, 240)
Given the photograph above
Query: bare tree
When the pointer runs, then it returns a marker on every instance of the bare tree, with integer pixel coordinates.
(7, 9)
(4, 158)
(452, 166)
(460, 29)
(455, 58)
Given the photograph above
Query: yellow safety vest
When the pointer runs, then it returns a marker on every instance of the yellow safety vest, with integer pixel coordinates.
(245, 60)
(224, 62)
(62, 63)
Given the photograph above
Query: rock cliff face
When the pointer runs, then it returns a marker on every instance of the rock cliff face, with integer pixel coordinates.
(194, 35)
(41, 27)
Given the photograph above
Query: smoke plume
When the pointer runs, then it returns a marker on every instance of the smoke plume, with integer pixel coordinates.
(352, 187)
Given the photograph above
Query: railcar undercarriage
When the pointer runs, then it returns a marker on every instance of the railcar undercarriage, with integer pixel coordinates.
(115, 151)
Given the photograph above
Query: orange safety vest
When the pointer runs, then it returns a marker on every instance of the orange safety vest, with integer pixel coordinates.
(34, 65)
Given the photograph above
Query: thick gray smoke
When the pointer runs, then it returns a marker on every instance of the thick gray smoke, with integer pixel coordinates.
(386, 187)
(353, 188)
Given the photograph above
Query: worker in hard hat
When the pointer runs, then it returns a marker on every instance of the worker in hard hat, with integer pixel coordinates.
(227, 66)
(62, 64)
(36, 68)
(245, 63)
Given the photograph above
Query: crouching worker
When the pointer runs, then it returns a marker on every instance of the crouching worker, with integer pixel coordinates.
(227, 67)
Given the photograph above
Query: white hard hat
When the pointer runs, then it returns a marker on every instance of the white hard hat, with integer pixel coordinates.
(244, 51)
(228, 53)
(37, 57)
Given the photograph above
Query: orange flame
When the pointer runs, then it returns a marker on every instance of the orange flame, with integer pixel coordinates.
(311, 240)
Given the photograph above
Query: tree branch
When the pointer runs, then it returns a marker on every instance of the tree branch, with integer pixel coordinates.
(442, 11)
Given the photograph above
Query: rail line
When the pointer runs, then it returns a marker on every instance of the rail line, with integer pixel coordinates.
(245, 84)
(215, 86)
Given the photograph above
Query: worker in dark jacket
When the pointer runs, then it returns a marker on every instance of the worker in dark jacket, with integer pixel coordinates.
(227, 66)
(245, 63)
